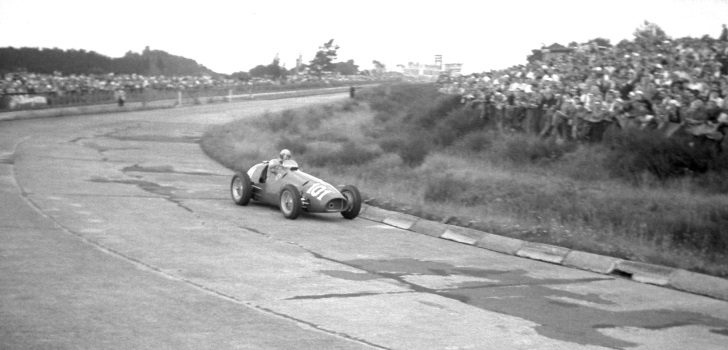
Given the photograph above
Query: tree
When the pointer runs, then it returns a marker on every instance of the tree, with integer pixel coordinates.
(346, 68)
(259, 71)
(271, 71)
(649, 34)
(324, 59)
(536, 55)
(603, 42)
(379, 66)
(275, 70)
(242, 76)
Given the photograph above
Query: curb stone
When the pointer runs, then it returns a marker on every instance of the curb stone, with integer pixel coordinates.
(403, 221)
(500, 244)
(678, 279)
(459, 236)
(592, 262)
(427, 227)
(543, 252)
(374, 213)
(699, 284)
(645, 273)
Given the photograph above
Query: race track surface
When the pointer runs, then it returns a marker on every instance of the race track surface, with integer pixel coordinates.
(117, 232)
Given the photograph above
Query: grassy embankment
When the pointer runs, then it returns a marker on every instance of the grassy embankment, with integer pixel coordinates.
(406, 146)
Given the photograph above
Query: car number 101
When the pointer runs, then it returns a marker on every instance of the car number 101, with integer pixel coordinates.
(318, 191)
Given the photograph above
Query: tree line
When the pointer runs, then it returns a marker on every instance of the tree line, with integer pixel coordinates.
(157, 62)
(49, 61)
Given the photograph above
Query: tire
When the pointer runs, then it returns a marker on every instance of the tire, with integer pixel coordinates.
(241, 188)
(290, 202)
(353, 202)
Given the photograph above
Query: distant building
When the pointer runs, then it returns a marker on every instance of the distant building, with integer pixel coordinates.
(430, 71)
(453, 68)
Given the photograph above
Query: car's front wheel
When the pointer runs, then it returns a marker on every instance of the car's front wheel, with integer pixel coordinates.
(290, 202)
(241, 189)
(353, 202)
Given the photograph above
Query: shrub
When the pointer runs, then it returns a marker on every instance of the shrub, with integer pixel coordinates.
(636, 152)
(349, 105)
(412, 146)
(477, 141)
(349, 153)
(586, 163)
(280, 121)
(414, 151)
(445, 189)
(522, 148)
(458, 123)
(430, 111)
(296, 145)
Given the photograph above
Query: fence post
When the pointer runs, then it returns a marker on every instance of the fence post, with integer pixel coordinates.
(179, 97)
(230, 95)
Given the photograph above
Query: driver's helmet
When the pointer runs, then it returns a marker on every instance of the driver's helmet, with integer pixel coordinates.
(285, 154)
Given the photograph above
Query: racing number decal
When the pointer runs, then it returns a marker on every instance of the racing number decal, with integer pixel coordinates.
(318, 191)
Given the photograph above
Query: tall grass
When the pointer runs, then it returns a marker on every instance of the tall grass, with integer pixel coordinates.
(408, 147)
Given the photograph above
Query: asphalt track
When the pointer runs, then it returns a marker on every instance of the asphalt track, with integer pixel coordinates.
(117, 232)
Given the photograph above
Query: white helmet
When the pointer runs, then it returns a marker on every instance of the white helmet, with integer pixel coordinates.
(285, 154)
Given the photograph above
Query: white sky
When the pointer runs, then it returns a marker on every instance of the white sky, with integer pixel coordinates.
(230, 36)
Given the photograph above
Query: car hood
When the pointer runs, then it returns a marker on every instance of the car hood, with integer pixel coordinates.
(311, 185)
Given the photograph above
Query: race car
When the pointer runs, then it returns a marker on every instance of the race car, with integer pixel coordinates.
(293, 191)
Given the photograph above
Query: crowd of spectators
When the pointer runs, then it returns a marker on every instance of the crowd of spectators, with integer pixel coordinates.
(31, 90)
(58, 84)
(650, 82)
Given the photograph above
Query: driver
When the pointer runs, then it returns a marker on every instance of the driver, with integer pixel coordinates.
(275, 166)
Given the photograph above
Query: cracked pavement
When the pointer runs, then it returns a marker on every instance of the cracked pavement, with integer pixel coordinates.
(118, 232)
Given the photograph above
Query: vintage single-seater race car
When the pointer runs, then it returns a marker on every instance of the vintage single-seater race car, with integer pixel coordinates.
(293, 191)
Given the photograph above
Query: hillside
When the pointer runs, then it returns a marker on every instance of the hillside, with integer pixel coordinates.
(149, 62)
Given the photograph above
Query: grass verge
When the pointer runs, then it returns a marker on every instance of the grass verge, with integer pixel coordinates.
(443, 162)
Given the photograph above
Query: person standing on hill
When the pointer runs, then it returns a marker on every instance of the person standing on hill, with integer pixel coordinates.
(120, 96)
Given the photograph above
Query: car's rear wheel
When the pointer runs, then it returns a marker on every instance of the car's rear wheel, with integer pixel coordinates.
(241, 189)
(353, 202)
(290, 202)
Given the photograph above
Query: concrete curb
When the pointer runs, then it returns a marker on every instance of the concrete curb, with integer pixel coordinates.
(592, 262)
(399, 220)
(543, 252)
(501, 244)
(699, 284)
(459, 236)
(645, 273)
(427, 227)
(679, 279)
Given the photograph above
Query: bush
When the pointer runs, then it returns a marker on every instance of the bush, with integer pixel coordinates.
(349, 105)
(280, 121)
(477, 141)
(349, 153)
(295, 145)
(414, 151)
(523, 148)
(412, 146)
(430, 111)
(445, 189)
(458, 123)
(636, 152)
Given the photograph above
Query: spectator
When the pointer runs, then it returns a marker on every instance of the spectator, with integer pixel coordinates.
(649, 83)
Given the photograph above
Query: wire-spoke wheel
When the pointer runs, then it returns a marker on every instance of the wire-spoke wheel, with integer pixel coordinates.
(241, 189)
(290, 202)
